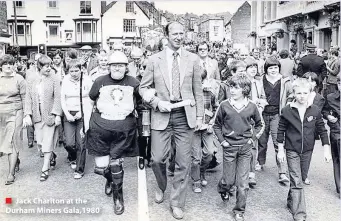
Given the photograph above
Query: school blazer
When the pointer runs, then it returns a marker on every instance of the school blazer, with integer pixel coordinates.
(157, 76)
(51, 104)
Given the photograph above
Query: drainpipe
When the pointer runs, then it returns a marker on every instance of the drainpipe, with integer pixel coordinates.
(102, 30)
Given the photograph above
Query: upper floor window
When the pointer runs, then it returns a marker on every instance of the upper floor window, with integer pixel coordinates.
(216, 29)
(52, 4)
(19, 4)
(129, 6)
(129, 25)
(20, 29)
(85, 7)
(53, 30)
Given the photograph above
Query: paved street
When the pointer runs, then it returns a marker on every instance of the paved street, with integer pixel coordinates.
(265, 203)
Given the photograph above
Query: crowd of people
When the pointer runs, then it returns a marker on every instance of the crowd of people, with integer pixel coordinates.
(179, 106)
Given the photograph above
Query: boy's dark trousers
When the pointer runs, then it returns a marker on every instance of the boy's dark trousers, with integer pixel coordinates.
(271, 127)
(236, 168)
(305, 163)
(335, 150)
(296, 199)
(74, 144)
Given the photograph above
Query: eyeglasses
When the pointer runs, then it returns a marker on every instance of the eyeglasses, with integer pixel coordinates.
(202, 49)
(118, 65)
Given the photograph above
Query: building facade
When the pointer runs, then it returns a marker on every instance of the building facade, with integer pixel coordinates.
(4, 35)
(63, 24)
(277, 23)
(212, 29)
(238, 27)
(122, 22)
(57, 24)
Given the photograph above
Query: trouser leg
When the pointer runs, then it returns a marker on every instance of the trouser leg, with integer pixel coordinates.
(70, 129)
(242, 177)
(274, 121)
(263, 141)
(196, 156)
(80, 146)
(296, 199)
(305, 164)
(335, 150)
(229, 169)
(159, 150)
(207, 151)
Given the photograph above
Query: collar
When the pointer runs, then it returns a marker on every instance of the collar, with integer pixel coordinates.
(6, 75)
(170, 52)
(294, 104)
(245, 101)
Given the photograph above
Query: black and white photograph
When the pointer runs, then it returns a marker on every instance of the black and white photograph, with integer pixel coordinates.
(193, 110)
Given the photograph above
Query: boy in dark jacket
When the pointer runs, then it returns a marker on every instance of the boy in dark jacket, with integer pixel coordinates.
(298, 122)
(331, 112)
(233, 127)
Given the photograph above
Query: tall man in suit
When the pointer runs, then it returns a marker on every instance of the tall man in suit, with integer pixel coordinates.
(313, 63)
(175, 74)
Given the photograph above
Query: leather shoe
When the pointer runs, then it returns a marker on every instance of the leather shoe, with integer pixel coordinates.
(159, 195)
(30, 144)
(141, 163)
(177, 212)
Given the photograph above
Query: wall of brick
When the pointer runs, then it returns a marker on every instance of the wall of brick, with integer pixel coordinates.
(241, 25)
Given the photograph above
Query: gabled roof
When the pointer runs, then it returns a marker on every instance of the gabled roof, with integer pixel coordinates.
(244, 4)
(138, 3)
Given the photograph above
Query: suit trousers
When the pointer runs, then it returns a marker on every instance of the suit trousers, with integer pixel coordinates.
(202, 153)
(296, 200)
(236, 168)
(182, 134)
(171, 166)
(335, 149)
(271, 127)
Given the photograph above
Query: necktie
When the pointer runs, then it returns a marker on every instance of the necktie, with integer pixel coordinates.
(176, 77)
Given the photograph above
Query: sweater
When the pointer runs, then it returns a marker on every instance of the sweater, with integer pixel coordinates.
(236, 127)
(300, 136)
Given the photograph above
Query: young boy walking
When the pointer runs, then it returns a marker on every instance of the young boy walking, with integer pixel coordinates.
(277, 92)
(331, 112)
(233, 127)
(297, 126)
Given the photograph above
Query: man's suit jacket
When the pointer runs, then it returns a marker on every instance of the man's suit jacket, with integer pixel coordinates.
(212, 69)
(312, 63)
(51, 103)
(157, 76)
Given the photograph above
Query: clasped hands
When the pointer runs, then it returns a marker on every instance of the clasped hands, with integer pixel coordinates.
(27, 121)
(71, 118)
